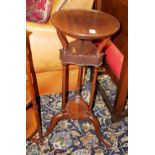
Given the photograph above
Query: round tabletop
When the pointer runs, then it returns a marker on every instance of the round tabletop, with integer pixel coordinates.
(85, 24)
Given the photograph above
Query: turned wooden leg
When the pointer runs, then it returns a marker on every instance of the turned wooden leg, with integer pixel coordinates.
(93, 88)
(96, 124)
(79, 84)
(64, 83)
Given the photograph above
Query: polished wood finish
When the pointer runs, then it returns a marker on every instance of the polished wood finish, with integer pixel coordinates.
(93, 88)
(64, 86)
(79, 79)
(33, 122)
(118, 9)
(122, 93)
(83, 23)
(86, 51)
(98, 4)
(81, 52)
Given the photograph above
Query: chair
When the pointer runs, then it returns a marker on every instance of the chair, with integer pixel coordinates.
(116, 58)
(116, 66)
(33, 123)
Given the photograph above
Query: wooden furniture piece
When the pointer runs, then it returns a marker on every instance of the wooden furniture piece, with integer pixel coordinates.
(119, 48)
(33, 122)
(45, 47)
(98, 4)
(85, 26)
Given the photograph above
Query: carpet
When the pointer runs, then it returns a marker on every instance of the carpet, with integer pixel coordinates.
(78, 137)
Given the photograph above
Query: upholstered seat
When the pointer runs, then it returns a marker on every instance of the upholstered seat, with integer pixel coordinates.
(114, 58)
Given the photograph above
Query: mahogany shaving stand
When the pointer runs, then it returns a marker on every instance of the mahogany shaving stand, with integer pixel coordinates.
(85, 26)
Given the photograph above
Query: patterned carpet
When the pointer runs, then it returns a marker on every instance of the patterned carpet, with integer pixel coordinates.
(78, 137)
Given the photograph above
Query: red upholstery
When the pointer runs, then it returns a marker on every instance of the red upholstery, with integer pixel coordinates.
(114, 58)
(38, 10)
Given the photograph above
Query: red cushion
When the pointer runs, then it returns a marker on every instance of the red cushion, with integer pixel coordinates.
(38, 10)
(114, 58)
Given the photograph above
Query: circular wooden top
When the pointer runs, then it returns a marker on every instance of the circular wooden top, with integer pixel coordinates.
(85, 24)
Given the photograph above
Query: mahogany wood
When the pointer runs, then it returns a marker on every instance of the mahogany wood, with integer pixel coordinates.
(86, 51)
(98, 4)
(82, 52)
(102, 45)
(64, 87)
(79, 85)
(118, 9)
(122, 92)
(33, 122)
(93, 88)
(79, 23)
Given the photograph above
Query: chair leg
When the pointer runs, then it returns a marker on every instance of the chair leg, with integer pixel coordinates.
(121, 96)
